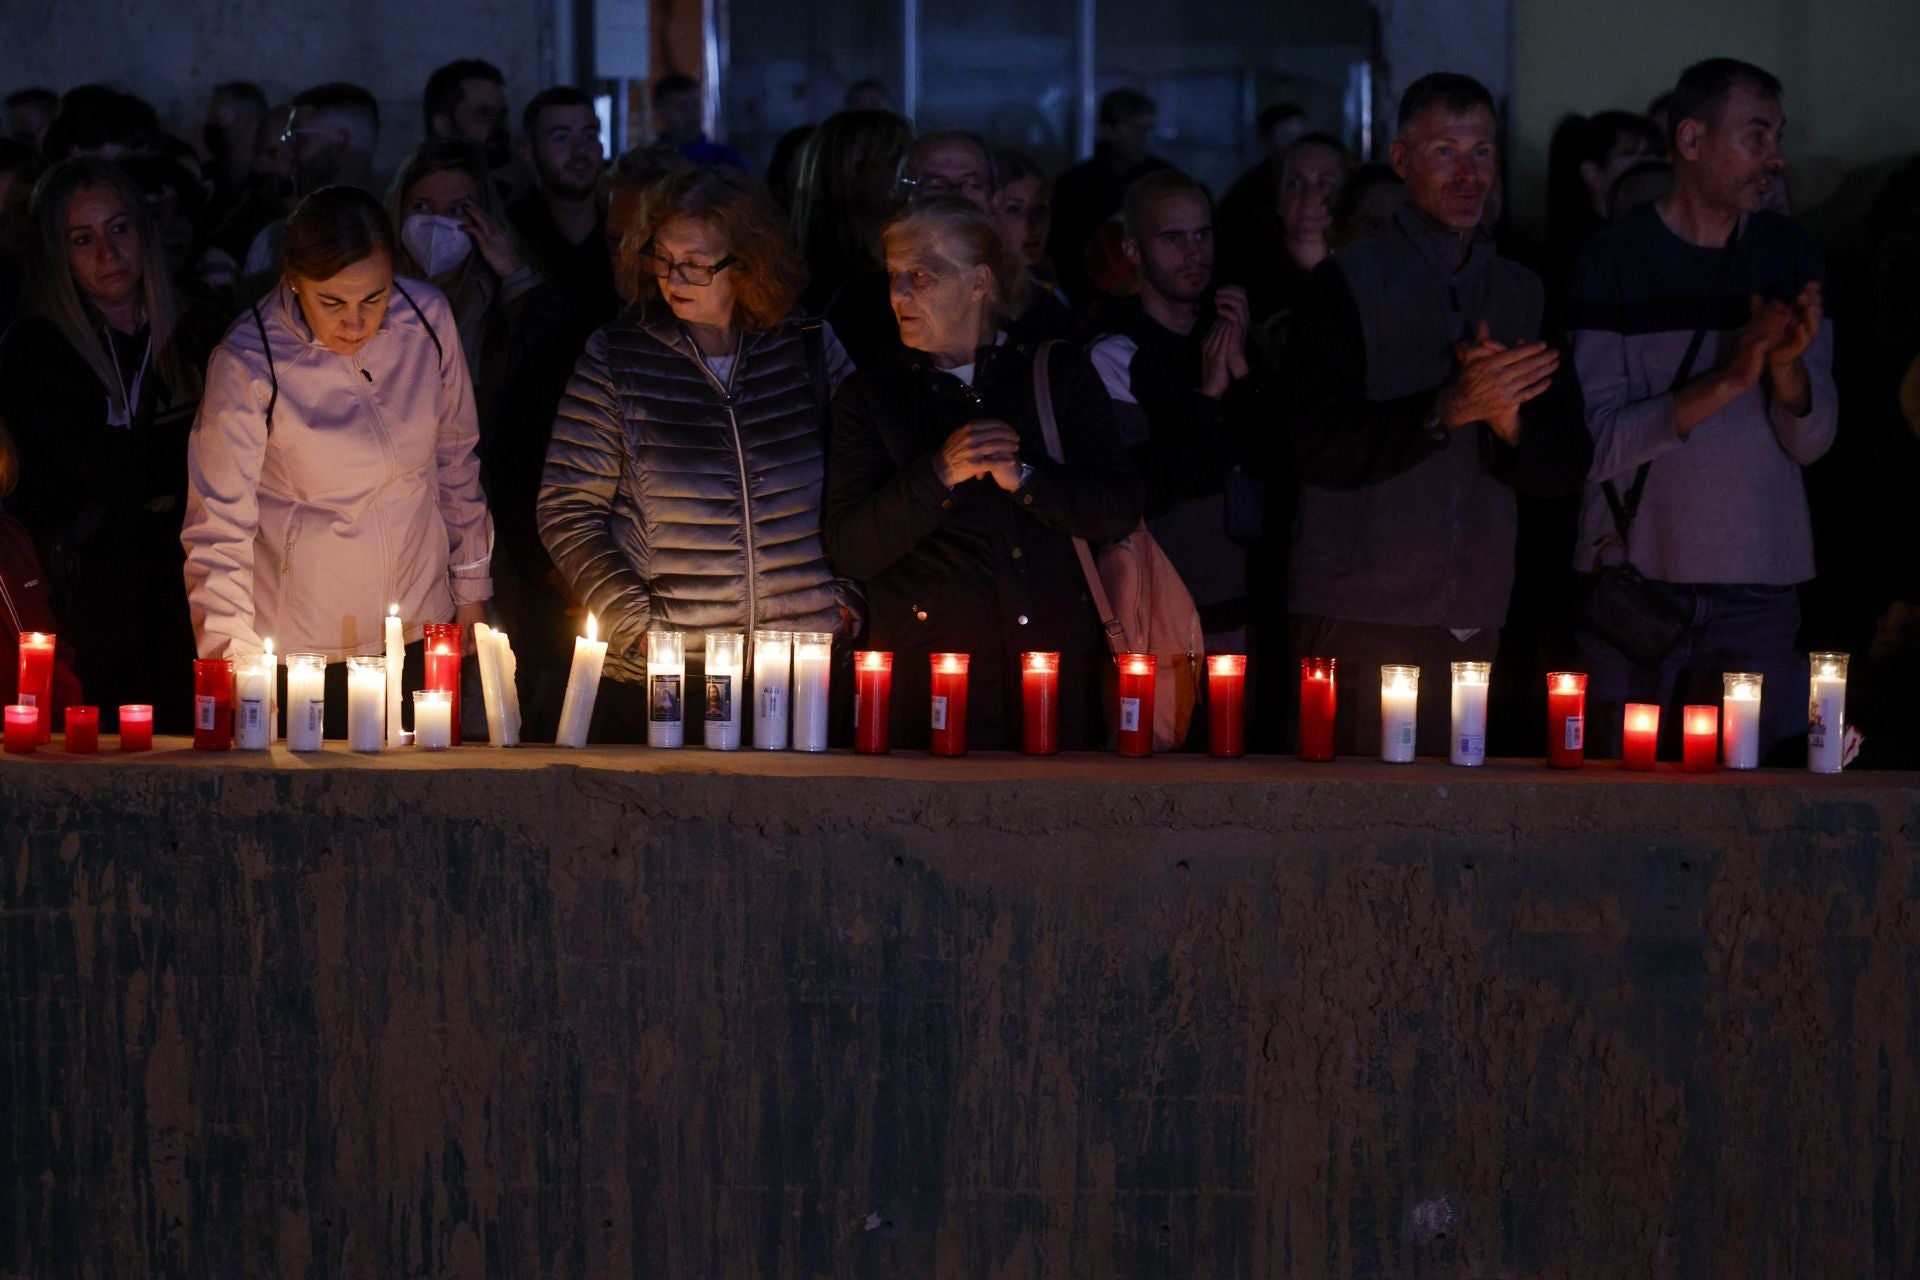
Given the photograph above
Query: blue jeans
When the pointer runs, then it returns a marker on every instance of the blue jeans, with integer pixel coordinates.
(1735, 628)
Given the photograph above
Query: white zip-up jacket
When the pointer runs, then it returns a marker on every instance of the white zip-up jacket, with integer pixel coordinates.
(364, 494)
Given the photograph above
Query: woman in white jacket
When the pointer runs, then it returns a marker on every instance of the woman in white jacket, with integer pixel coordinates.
(332, 470)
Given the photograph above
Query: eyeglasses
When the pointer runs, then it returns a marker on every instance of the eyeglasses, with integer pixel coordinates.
(694, 273)
(292, 135)
(972, 186)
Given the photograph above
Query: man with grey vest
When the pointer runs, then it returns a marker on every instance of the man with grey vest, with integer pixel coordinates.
(1419, 399)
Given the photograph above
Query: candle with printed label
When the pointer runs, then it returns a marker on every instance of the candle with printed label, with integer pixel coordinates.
(812, 684)
(1639, 736)
(36, 679)
(306, 701)
(1227, 705)
(136, 727)
(949, 705)
(1319, 695)
(726, 660)
(253, 700)
(432, 719)
(23, 729)
(772, 678)
(83, 730)
(1040, 703)
(583, 687)
(442, 643)
(1399, 713)
(872, 701)
(1740, 718)
(366, 702)
(1469, 744)
(666, 689)
(1566, 719)
(213, 704)
(1136, 704)
(1700, 739)
(1827, 713)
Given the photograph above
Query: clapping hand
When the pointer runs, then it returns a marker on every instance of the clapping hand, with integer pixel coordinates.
(1223, 353)
(983, 447)
(1495, 379)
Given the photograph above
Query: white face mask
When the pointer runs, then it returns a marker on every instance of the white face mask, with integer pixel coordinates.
(437, 244)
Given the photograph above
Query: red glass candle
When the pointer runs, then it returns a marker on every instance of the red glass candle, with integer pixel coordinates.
(23, 729)
(1040, 703)
(36, 678)
(1700, 739)
(1318, 696)
(949, 703)
(1136, 704)
(1639, 736)
(83, 730)
(1227, 705)
(1566, 719)
(136, 727)
(872, 701)
(443, 666)
(213, 704)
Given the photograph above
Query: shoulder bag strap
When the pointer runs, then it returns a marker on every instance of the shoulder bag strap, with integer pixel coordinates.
(1050, 431)
(273, 374)
(438, 350)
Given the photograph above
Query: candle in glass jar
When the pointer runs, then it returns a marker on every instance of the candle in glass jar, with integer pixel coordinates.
(1700, 739)
(253, 701)
(213, 704)
(136, 727)
(726, 660)
(1469, 745)
(1566, 719)
(812, 683)
(1318, 698)
(583, 687)
(1399, 713)
(772, 674)
(432, 719)
(306, 701)
(23, 729)
(83, 730)
(1827, 713)
(666, 689)
(1136, 704)
(441, 641)
(949, 706)
(1639, 736)
(1040, 703)
(1740, 718)
(872, 701)
(1227, 705)
(366, 702)
(36, 679)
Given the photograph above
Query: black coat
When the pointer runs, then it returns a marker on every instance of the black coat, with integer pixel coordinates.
(974, 569)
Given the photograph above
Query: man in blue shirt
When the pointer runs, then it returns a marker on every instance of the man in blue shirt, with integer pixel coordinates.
(677, 112)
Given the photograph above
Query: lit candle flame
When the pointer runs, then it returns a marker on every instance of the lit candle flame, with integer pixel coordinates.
(949, 664)
(267, 647)
(1566, 684)
(393, 611)
(593, 629)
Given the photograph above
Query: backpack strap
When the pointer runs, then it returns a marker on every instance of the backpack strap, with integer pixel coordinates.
(273, 374)
(438, 350)
(1050, 431)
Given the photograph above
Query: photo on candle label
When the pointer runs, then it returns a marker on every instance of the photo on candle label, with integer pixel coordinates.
(719, 697)
(663, 697)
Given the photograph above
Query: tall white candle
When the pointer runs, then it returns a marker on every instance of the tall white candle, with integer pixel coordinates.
(812, 676)
(666, 689)
(1827, 713)
(1399, 713)
(253, 701)
(366, 702)
(432, 719)
(306, 701)
(1740, 719)
(583, 686)
(772, 674)
(509, 668)
(396, 666)
(1470, 680)
(726, 653)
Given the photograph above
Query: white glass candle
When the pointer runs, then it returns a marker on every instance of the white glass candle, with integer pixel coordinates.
(1827, 712)
(666, 688)
(432, 719)
(1399, 713)
(1470, 680)
(306, 701)
(772, 673)
(253, 701)
(583, 686)
(812, 674)
(1740, 719)
(726, 658)
(396, 637)
(366, 702)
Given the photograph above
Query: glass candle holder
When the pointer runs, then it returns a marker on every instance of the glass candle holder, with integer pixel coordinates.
(253, 681)
(83, 730)
(1040, 703)
(1468, 746)
(1319, 695)
(1699, 739)
(666, 689)
(36, 679)
(366, 702)
(726, 662)
(1566, 719)
(1227, 705)
(772, 689)
(1399, 713)
(1740, 719)
(432, 719)
(306, 701)
(872, 701)
(1827, 712)
(441, 641)
(22, 729)
(136, 727)
(1639, 736)
(948, 706)
(1136, 688)
(213, 704)
(812, 688)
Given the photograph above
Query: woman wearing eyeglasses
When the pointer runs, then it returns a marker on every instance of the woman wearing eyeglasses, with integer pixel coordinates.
(682, 488)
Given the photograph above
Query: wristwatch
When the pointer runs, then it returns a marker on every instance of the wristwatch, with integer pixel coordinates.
(1026, 474)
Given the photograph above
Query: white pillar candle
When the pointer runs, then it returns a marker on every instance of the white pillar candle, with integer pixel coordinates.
(1827, 713)
(726, 654)
(583, 686)
(396, 665)
(1399, 713)
(432, 719)
(489, 659)
(366, 702)
(509, 668)
(812, 677)
(772, 673)
(666, 689)
(253, 701)
(1740, 719)
(306, 701)
(1470, 680)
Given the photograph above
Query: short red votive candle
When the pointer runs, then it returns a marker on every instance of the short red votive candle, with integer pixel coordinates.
(36, 678)
(443, 666)
(136, 727)
(1136, 704)
(949, 707)
(1700, 739)
(1566, 719)
(1639, 736)
(1040, 703)
(1227, 705)
(23, 729)
(83, 730)
(213, 704)
(872, 701)
(1318, 697)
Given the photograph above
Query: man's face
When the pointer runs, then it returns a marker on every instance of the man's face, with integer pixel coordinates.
(954, 167)
(320, 146)
(677, 115)
(565, 150)
(1736, 159)
(481, 118)
(1175, 251)
(1446, 158)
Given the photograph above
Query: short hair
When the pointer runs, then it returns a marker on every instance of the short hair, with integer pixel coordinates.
(93, 116)
(1457, 93)
(334, 228)
(767, 274)
(560, 95)
(1152, 187)
(347, 102)
(1704, 87)
(671, 83)
(834, 217)
(245, 91)
(1016, 166)
(910, 162)
(972, 230)
(1273, 116)
(33, 97)
(1325, 141)
(448, 85)
(643, 166)
(1120, 105)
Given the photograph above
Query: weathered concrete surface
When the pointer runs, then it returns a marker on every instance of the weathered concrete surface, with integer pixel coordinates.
(557, 1014)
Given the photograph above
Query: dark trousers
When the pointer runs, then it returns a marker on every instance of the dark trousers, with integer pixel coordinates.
(1362, 648)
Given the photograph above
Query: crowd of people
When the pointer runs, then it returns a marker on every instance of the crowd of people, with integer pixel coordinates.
(246, 393)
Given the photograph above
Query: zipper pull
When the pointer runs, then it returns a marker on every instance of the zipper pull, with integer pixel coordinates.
(366, 375)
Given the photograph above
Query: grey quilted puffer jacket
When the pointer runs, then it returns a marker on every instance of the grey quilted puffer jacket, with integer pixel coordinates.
(678, 499)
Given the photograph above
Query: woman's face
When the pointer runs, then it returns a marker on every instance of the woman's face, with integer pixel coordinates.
(103, 247)
(347, 308)
(1307, 184)
(1022, 212)
(940, 304)
(444, 194)
(684, 246)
